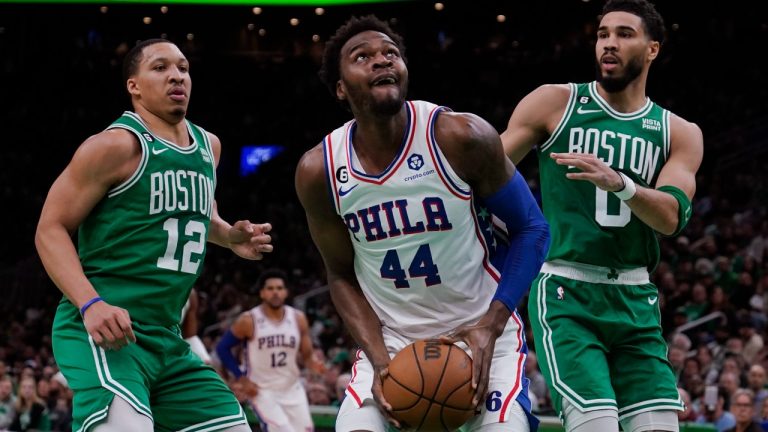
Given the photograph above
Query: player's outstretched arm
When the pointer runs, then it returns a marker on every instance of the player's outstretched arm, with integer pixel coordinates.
(332, 240)
(667, 208)
(475, 152)
(534, 117)
(248, 240)
(101, 162)
(241, 330)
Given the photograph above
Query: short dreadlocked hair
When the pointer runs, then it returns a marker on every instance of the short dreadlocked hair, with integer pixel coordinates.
(652, 20)
(330, 71)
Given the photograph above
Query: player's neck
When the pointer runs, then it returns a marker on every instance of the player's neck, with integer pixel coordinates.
(174, 130)
(629, 100)
(272, 313)
(378, 138)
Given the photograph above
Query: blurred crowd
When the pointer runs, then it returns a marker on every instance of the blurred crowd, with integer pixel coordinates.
(713, 278)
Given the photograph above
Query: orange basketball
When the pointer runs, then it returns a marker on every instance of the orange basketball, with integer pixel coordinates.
(430, 386)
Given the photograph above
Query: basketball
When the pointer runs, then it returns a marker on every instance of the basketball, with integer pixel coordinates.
(429, 386)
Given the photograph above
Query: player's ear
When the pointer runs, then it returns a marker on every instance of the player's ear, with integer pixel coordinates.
(341, 92)
(653, 50)
(132, 87)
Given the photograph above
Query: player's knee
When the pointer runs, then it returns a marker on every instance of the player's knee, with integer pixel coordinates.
(651, 421)
(366, 418)
(122, 417)
(602, 420)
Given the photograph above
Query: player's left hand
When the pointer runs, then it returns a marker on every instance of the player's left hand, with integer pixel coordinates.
(481, 339)
(591, 169)
(250, 240)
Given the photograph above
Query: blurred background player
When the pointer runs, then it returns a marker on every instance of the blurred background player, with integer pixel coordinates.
(189, 327)
(275, 334)
(616, 169)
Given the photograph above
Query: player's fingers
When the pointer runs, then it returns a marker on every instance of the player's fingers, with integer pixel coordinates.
(124, 321)
(263, 228)
(114, 327)
(579, 176)
(448, 339)
(482, 386)
(261, 239)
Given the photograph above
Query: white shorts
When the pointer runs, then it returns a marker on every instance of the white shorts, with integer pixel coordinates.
(359, 411)
(284, 410)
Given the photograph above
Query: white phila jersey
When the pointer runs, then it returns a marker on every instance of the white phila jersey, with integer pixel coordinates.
(270, 357)
(420, 242)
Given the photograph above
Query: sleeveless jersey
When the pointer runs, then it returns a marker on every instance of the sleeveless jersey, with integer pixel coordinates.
(271, 354)
(589, 225)
(421, 254)
(143, 244)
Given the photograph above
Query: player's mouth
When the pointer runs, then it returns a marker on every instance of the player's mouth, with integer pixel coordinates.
(609, 62)
(178, 94)
(385, 80)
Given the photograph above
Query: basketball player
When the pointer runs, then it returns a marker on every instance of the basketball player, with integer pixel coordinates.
(141, 196)
(274, 334)
(392, 200)
(615, 170)
(189, 327)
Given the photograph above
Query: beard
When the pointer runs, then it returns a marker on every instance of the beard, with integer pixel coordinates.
(615, 84)
(388, 107)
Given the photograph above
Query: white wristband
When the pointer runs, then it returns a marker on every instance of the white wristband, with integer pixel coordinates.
(628, 191)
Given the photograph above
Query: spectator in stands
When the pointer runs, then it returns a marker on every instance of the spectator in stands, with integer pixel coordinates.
(341, 387)
(717, 414)
(764, 414)
(31, 413)
(537, 385)
(756, 380)
(7, 402)
(743, 409)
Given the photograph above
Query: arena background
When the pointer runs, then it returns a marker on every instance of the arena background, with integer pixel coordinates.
(255, 83)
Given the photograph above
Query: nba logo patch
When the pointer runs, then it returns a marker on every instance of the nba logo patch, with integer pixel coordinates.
(415, 162)
(560, 293)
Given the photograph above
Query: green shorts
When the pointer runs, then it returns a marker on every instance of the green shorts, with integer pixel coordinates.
(598, 336)
(158, 376)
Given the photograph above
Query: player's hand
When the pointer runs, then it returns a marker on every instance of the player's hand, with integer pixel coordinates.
(591, 169)
(250, 240)
(379, 373)
(109, 326)
(244, 388)
(481, 339)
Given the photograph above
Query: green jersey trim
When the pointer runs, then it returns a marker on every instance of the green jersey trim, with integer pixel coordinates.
(191, 148)
(139, 170)
(209, 148)
(615, 114)
(564, 120)
(665, 131)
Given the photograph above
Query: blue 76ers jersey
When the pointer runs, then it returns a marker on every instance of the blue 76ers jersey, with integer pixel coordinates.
(421, 244)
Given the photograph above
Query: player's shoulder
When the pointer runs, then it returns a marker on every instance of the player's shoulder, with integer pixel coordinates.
(463, 128)
(113, 144)
(684, 133)
(552, 93)
(311, 169)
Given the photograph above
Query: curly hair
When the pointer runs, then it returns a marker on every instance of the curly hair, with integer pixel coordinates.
(330, 71)
(652, 20)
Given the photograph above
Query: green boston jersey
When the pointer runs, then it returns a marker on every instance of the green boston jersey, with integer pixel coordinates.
(143, 244)
(589, 225)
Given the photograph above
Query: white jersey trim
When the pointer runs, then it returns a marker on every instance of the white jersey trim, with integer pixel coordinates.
(122, 187)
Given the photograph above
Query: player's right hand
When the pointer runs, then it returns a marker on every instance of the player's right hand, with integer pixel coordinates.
(244, 388)
(109, 326)
(379, 373)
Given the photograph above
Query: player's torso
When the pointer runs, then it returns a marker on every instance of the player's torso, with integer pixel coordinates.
(143, 244)
(589, 225)
(271, 354)
(420, 257)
